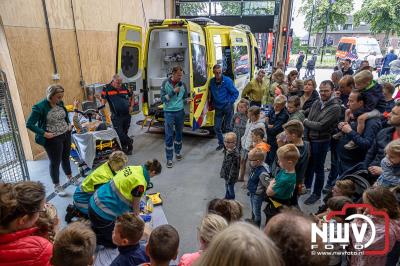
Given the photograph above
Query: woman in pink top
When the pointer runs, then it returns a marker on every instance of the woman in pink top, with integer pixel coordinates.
(209, 227)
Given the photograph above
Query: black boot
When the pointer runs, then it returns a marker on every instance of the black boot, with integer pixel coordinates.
(70, 213)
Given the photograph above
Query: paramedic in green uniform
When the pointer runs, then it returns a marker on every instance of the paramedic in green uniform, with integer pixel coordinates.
(98, 177)
(122, 194)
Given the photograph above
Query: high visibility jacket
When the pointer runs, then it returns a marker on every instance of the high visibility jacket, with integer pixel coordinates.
(115, 198)
(98, 177)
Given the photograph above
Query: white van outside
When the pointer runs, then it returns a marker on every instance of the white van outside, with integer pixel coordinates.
(357, 49)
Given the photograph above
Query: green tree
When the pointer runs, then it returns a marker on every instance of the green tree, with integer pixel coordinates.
(382, 15)
(337, 15)
(194, 9)
(226, 8)
(258, 8)
(295, 45)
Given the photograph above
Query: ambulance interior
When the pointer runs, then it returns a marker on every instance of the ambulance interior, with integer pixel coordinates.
(167, 48)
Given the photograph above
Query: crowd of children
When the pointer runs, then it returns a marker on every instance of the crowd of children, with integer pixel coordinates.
(281, 150)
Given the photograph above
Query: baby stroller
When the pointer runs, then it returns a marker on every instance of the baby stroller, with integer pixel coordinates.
(90, 148)
(361, 179)
(310, 69)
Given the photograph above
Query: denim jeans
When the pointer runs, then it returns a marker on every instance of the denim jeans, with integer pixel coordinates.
(316, 165)
(384, 71)
(229, 190)
(173, 122)
(223, 117)
(256, 203)
(334, 172)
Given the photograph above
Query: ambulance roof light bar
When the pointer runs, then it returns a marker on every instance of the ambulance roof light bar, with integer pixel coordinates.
(156, 22)
(204, 21)
(243, 27)
(167, 22)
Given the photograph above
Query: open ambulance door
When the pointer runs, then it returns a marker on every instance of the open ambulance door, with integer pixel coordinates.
(241, 61)
(198, 76)
(255, 55)
(130, 61)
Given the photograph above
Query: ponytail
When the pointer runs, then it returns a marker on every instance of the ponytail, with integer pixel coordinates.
(153, 166)
(8, 203)
(19, 199)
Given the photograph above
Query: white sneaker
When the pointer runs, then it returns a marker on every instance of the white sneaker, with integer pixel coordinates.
(59, 190)
(169, 164)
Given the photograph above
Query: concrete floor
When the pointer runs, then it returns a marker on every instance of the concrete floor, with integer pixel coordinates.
(186, 188)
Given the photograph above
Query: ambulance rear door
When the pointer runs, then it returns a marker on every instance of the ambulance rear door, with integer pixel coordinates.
(240, 58)
(198, 76)
(130, 61)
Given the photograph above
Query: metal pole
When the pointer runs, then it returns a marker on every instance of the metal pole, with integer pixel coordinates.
(326, 29)
(309, 30)
(46, 19)
(82, 81)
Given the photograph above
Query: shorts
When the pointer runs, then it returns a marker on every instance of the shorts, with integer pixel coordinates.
(244, 154)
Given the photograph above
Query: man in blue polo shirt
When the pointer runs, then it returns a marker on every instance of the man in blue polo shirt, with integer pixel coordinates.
(223, 97)
(121, 104)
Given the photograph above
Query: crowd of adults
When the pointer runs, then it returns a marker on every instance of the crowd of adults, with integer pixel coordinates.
(283, 126)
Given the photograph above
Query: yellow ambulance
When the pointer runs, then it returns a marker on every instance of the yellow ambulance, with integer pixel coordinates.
(196, 45)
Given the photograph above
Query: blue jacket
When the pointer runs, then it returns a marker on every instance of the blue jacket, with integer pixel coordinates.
(277, 120)
(377, 151)
(258, 179)
(389, 58)
(349, 158)
(374, 98)
(224, 93)
(131, 256)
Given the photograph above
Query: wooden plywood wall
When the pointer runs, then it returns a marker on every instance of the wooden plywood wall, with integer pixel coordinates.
(96, 24)
(7, 67)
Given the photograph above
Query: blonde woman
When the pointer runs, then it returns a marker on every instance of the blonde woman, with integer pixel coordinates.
(211, 225)
(50, 123)
(241, 244)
